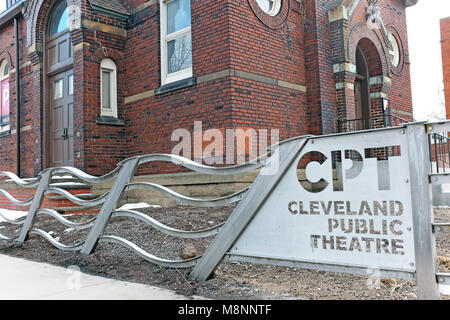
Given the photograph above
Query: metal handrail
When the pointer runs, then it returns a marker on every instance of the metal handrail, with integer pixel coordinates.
(439, 151)
(357, 124)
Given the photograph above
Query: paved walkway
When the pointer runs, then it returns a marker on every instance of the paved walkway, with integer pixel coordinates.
(26, 280)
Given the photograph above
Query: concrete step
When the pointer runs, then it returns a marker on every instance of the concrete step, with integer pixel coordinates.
(70, 185)
(65, 210)
(67, 181)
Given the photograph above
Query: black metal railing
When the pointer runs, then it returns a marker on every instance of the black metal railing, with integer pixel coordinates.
(439, 147)
(381, 121)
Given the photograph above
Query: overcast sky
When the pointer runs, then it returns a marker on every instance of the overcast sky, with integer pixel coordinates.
(426, 58)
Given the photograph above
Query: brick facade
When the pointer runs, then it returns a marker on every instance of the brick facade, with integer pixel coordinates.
(445, 47)
(291, 72)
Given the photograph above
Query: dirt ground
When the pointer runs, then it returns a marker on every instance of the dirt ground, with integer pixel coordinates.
(232, 280)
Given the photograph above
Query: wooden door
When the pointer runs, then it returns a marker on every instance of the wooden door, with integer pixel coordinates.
(59, 69)
(61, 119)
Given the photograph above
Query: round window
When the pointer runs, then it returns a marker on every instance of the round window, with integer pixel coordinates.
(395, 58)
(271, 7)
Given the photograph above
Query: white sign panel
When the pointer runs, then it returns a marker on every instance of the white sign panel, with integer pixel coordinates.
(353, 208)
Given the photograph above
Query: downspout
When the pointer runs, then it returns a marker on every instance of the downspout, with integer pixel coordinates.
(16, 39)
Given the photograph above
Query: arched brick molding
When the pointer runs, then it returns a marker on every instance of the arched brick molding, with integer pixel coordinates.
(374, 61)
(379, 86)
(105, 52)
(36, 15)
(362, 31)
(4, 54)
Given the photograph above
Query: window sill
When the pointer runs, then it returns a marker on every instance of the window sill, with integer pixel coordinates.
(5, 133)
(110, 121)
(176, 85)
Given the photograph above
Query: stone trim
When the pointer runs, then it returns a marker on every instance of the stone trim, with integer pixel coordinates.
(344, 10)
(379, 95)
(380, 80)
(344, 67)
(139, 96)
(345, 85)
(25, 65)
(104, 28)
(338, 13)
(224, 74)
(81, 46)
(23, 129)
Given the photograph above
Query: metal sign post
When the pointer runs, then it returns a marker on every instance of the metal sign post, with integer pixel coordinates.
(422, 210)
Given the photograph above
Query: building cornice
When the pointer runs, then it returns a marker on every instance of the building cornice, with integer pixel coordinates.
(346, 9)
(11, 13)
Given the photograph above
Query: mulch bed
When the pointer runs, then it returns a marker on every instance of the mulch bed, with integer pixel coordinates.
(232, 280)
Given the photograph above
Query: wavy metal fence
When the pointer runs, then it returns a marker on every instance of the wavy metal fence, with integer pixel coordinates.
(272, 223)
(123, 175)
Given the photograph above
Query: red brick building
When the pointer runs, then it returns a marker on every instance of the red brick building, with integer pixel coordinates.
(92, 82)
(445, 47)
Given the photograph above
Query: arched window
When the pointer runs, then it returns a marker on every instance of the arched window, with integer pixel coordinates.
(4, 82)
(60, 19)
(108, 83)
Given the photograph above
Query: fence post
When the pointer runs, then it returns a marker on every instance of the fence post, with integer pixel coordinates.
(46, 176)
(112, 201)
(422, 210)
(259, 192)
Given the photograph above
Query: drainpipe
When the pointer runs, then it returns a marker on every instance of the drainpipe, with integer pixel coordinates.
(16, 39)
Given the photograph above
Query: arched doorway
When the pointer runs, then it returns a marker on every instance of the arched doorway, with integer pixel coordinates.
(59, 78)
(362, 97)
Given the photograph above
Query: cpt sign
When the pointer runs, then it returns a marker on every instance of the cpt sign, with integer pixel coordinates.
(381, 154)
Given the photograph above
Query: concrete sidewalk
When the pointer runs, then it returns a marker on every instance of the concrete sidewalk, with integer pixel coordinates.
(26, 280)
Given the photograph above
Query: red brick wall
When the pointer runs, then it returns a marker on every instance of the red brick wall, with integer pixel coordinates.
(445, 47)
(26, 194)
(273, 52)
(227, 35)
(394, 17)
(7, 142)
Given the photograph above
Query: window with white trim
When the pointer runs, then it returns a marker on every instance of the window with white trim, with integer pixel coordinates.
(176, 43)
(4, 83)
(108, 85)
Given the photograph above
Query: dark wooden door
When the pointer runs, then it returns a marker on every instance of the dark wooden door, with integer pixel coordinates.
(61, 119)
(359, 123)
(362, 112)
(59, 57)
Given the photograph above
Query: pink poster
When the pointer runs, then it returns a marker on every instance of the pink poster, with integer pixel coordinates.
(5, 102)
